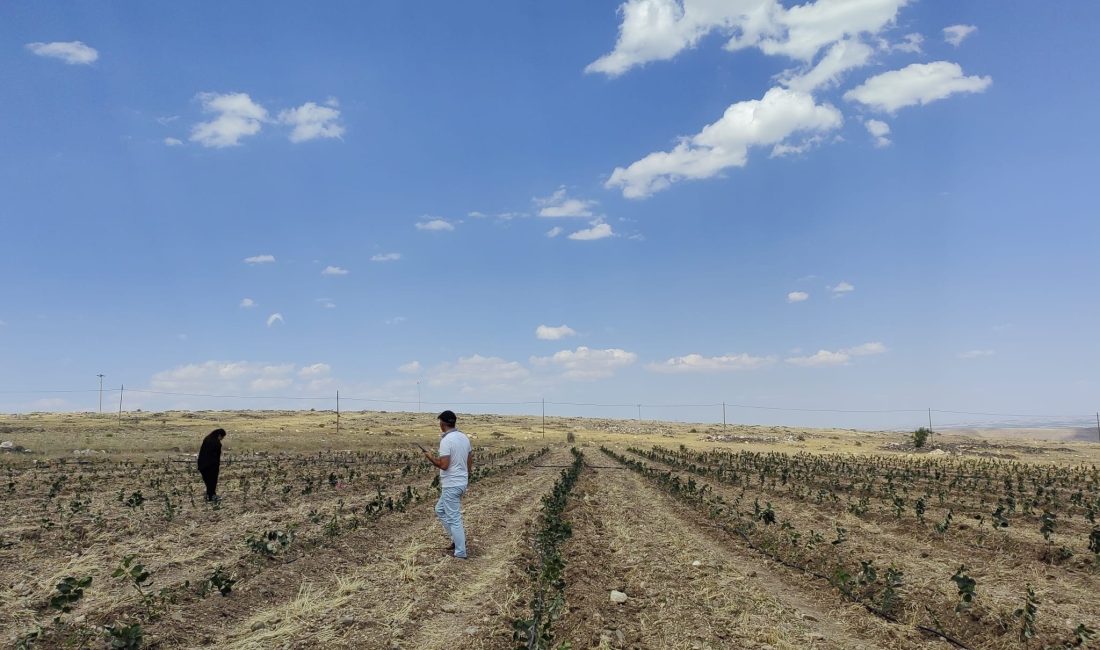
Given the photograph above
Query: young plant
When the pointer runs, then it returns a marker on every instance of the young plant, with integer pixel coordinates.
(124, 637)
(69, 591)
(135, 575)
(271, 543)
(1027, 615)
(966, 586)
(220, 580)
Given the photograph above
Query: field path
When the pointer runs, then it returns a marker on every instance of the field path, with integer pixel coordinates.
(631, 537)
(401, 589)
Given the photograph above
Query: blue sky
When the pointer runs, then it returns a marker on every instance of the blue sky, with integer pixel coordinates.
(861, 204)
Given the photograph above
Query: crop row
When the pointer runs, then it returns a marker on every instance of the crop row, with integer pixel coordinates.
(966, 620)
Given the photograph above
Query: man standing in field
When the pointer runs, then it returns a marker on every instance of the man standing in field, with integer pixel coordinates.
(454, 462)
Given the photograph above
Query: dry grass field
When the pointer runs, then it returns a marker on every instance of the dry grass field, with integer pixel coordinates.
(709, 537)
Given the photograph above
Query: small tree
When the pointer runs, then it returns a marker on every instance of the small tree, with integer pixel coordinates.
(920, 436)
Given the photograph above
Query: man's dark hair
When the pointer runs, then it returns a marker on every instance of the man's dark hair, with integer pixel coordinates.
(448, 417)
(218, 432)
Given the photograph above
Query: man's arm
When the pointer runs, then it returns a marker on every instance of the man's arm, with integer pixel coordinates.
(443, 462)
(470, 462)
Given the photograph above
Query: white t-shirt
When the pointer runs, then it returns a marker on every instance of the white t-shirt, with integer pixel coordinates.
(456, 445)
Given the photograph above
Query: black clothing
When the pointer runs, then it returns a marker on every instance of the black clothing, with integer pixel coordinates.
(210, 460)
(210, 478)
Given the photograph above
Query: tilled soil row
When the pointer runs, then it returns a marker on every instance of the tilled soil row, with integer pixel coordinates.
(929, 561)
(686, 585)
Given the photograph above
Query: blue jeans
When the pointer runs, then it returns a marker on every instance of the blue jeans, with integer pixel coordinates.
(449, 511)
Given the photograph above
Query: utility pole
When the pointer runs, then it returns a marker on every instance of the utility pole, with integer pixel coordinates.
(723, 415)
(544, 418)
(338, 412)
(931, 442)
(639, 414)
(1098, 424)
(418, 410)
(121, 390)
(100, 375)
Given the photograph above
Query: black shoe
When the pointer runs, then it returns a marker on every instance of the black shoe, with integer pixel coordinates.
(451, 547)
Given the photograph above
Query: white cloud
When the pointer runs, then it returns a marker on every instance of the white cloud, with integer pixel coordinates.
(548, 333)
(334, 270)
(559, 204)
(786, 149)
(797, 296)
(699, 363)
(554, 232)
(385, 257)
(172, 142)
(878, 130)
(165, 120)
(656, 30)
(597, 231)
(327, 303)
(435, 225)
(312, 121)
(248, 303)
(841, 288)
(410, 368)
(71, 52)
(237, 116)
(585, 363)
(396, 320)
(224, 377)
(840, 57)
(259, 259)
(726, 143)
(314, 371)
(956, 34)
(477, 215)
(477, 370)
(911, 44)
(976, 354)
(916, 84)
(839, 357)
(274, 318)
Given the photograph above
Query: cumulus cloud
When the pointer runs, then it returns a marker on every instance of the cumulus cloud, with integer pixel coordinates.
(435, 225)
(548, 333)
(699, 363)
(657, 30)
(554, 232)
(274, 318)
(172, 142)
(956, 34)
(248, 303)
(841, 288)
(71, 52)
(410, 368)
(259, 259)
(334, 270)
(840, 58)
(385, 257)
(225, 377)
(838, 357)
(311, 121)
(911, 44)
(236, 116)
(327, 303)
(599, 230)
(559, 204)
(770, 120)
(976, 354)
(478, 371)
(797, 296)
(878, 130)
(314, 371)
(586, 363)
(916, 84)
